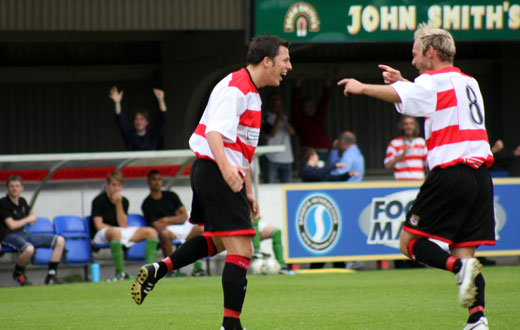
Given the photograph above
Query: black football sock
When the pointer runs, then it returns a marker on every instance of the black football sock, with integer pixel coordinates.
(192, 250)
(53, 268)
(18, 269)
(476, 311)
(429, 253)
(231, 323)
(234, 284)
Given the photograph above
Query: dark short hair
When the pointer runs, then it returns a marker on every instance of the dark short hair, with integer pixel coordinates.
(144, 113)
(14, 177)
(262, 46)
(306, 154)
(153, 172)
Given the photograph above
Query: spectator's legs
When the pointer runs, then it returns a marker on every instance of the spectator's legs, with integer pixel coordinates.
(285, 172)
(25, 257)
(150, 235)
(55, 258)
(19, 267)
(149, 250)
(57, 252)
(257, 238)
(113, 235)
(272, 170)
(276, 238)
(166, 237)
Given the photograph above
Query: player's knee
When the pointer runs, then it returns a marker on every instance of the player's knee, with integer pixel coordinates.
(149, 232)
(29, 250)
(165, 235)
(60, 242)
(113, 234)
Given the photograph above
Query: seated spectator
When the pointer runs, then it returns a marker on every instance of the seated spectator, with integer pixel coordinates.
(163, 210)
(140, 137)
(15, 213)
(108, 225)
(347, 152)
(406, 154)
(278, 131)
(309, 120)
(310, 172)
(502, 159)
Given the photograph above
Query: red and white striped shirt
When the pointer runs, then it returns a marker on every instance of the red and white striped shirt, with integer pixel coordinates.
(411, 166)
(454, 128)
(233, 110)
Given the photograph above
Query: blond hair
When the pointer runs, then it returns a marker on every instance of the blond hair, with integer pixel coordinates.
(116, 176)
(441, 40)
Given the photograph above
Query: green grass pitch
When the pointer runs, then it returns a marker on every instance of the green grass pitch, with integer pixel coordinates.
(391, 299)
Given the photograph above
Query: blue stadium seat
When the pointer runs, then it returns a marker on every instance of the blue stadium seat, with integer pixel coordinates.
(95, 247)
(77, 240)
(137, 251)
(6, 249)
(41, 256)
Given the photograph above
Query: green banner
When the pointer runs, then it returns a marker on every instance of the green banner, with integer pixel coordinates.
(384, 20)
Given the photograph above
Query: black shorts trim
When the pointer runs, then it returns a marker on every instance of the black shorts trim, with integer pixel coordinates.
(423, 234)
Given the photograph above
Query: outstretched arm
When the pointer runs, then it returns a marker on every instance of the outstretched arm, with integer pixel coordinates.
(382, 92)
(115, 95)
(159, 94)
(390, 75)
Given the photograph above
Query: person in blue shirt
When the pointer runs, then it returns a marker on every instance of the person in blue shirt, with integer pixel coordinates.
(310, 172)
(347, 152)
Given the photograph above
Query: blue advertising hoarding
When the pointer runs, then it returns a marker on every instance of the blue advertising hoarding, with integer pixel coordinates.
(362, 221)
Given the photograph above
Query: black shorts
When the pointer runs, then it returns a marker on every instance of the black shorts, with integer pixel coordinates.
(215, 206)
(455, 205)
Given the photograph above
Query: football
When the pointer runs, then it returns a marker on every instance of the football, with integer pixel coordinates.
(257, 266)
(271, 267)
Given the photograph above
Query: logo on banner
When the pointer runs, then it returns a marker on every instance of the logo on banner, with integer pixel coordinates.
(318, 222)
(388, 215)
(382, 220)
(303, 18)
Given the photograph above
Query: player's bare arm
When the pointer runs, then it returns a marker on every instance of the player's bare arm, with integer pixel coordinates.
(253, 204)
(382, 92)
(232, 174)
(391, 75)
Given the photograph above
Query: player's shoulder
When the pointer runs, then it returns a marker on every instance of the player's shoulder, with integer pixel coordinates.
(4, 201)
(241, 80)
(170, 194)
(146, 200)
(101, 197)
(22, 201)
